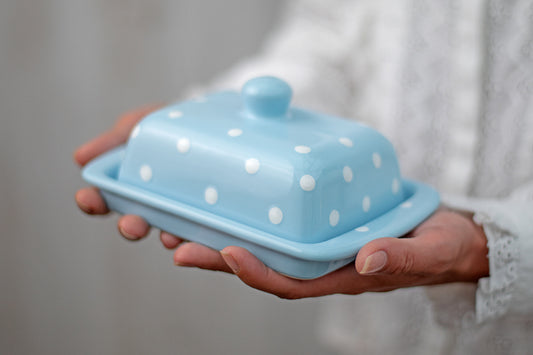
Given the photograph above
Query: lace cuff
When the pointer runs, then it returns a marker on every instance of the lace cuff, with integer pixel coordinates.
(494, 293)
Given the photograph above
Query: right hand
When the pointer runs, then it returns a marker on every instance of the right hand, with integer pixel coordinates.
(89, 199)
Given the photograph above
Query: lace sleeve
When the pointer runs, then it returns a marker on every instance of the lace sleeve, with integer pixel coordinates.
(494, 293)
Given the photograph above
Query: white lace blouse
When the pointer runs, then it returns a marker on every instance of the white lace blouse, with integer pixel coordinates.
(450, 83)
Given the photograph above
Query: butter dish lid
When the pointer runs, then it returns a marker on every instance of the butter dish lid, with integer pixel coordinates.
(252, 158)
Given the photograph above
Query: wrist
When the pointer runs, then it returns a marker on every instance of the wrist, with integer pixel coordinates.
(475, 256)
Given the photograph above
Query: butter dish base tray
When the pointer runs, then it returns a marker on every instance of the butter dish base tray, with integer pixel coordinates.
(300, 260)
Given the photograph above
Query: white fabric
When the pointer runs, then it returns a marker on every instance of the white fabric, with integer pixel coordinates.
(450, 83)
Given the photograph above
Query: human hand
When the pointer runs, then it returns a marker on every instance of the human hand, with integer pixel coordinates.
(447, 247)
(89, 199)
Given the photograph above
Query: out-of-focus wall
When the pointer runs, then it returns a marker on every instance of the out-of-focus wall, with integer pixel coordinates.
(69, 284)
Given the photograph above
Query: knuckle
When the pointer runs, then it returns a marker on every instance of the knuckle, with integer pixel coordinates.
(403, 265)
(407, 265)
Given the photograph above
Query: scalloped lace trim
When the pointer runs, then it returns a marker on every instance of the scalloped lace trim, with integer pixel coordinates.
(494, 293)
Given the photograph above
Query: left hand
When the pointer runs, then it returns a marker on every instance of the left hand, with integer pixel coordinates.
(89, 199)
(447, 247)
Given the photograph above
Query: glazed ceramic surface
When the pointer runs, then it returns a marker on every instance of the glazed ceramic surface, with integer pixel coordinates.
(303, 191)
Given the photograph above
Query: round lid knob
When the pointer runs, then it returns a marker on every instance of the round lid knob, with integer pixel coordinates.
(266, 96)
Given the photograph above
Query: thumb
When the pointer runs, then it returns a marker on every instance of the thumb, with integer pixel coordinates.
(405, 256)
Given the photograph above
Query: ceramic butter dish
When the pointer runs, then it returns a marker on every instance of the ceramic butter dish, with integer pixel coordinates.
(303, 191)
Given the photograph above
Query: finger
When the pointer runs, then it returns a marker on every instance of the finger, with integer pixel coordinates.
(128, 120)
(90, 201)
(113, 137)
(257, 275)
(104, 142)
(197, 255)
(422, 255)
(133, 227)
(169, 241)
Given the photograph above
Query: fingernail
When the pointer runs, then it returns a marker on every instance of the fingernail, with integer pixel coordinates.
(374, 262)
(177, 263)
(231, 262)
(128, 235)
(85, 208)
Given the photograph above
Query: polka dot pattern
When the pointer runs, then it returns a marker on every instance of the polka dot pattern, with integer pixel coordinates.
(347, 174)
(175, 114)
(146, 173)
(307, 183)
(340, 150)
(183, 145)
(366, 203)
(135, 131)
(252, 166)
(275, 215)
(376, 159)
(235, 132)
(347, 142)
(334, 218)
(395, 186)
(302, 149)
(211, 195)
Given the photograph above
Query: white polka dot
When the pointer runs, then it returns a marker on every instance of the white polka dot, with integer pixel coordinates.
(307, 183)
(175, 114)
(376, 158)
(234, 132)
(334, 218)
(366, 203)
(252, 166)
(135, 131)
(347, 173)
(275, 215)
(211, 195)
(302, 149)
(146, 173)
(395, 186)
(406, 205)
(346, 141)
(362, 229)
(183, 145)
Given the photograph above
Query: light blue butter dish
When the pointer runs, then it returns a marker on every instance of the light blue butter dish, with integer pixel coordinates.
(303, 191)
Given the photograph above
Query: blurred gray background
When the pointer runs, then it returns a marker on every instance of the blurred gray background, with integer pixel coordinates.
(69, 283)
